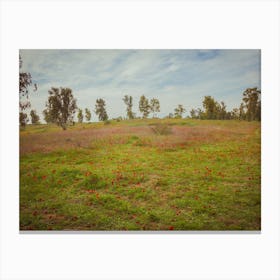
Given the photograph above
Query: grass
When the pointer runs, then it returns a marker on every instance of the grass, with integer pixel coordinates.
(132, 175)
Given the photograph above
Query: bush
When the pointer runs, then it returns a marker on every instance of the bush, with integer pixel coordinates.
(161, 129)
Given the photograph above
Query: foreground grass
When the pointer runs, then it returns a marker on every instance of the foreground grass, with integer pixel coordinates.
(203, 175)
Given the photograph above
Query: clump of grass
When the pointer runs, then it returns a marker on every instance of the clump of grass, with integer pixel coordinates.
(92, 182)
(161, 129)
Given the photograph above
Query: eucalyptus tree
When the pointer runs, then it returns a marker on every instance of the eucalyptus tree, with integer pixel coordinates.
(61, 106)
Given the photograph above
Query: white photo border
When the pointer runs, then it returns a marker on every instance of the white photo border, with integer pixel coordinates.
(139, 25)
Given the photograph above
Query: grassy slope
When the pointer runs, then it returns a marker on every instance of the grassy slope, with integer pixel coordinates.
(205, 175)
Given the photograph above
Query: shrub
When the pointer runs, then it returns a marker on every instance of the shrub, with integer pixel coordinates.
(161, 129)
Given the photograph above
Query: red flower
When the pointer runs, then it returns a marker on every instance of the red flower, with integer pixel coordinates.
(171, 228)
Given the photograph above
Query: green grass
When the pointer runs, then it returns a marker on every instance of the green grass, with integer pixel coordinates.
(205, 175)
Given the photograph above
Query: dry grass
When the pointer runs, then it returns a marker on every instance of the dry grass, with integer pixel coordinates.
(85, 138)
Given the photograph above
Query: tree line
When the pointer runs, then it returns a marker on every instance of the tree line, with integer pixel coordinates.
(249, 109)
(61, 106)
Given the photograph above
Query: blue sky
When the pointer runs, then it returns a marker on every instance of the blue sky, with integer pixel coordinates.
(173, 76)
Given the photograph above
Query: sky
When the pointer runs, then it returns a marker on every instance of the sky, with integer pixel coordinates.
(172, 76)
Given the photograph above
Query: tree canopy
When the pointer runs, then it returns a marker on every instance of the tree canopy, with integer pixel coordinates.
(25, 81)
(179, 111)
(61, 106)
(144, 106)
(128, 102)
(100, 109)
(34, 117)
(154, 106)
(87, 114)
(80, 116)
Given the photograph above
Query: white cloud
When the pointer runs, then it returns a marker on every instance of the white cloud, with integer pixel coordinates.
(173, 76)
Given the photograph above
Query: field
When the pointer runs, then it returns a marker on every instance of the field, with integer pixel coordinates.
(172, 174)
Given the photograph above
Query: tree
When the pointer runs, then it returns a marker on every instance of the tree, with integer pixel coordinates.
(100, 110)
(242, 114)
(154, 106)
(235, 113)
(87, 114)
(179, 111)
(201, 114)
(47, 116)
(211, 107)
(251, 98)
(144, 106)
(34, 117)
(222, 111)
(23, 119)
(61, 106)
(25, 81)
(194, 114)
(128, 102)
(80, 116)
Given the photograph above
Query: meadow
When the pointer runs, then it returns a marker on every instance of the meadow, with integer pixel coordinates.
(153, 174)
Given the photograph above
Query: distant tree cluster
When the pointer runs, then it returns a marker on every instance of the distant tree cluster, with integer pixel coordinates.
(249, 109)
(146, 107)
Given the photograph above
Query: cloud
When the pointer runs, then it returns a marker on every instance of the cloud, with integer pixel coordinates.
(173, 76)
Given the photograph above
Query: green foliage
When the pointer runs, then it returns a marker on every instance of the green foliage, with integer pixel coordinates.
(128, 102)
(250, 110)
(211, 108)
(47, 116)
(118, 119)
(144, 106)
(87, 114)
(100, 109)
(251, 98)
(80, 116)
(23, 119)
(242, 113)
(222, 113)
(25, 81)
(179, 111)
(61, 107)
(161, 128)
(34, 117)
(154, 106)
